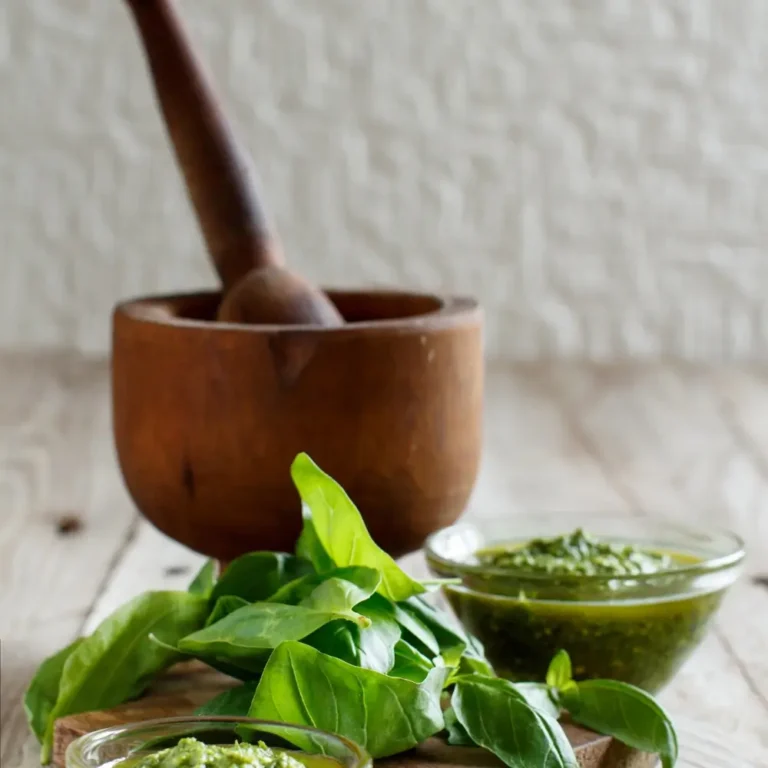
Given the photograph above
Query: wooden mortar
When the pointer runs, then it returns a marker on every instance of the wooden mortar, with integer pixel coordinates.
(209, 416)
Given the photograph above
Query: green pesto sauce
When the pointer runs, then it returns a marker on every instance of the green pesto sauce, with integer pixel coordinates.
(576, 554)
(638, 632)
(191, 753)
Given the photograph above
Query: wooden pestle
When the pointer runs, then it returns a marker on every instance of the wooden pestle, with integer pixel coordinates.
(257, 286)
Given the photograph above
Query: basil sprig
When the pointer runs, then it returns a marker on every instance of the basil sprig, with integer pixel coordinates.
(337, 636)
(616, 709)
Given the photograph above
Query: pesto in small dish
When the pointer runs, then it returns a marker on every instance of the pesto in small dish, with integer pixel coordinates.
(191, 753)
(576, 553)
(628, 608)
(213, 742)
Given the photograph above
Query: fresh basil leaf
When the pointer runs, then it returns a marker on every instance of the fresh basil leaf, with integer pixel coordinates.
(416, 632)
(457, 734)
(539, 697)
(245, 669)
(297, 590)
(473, 660)
(377, 642)
(559, 672)
(627, 713)
(225, 605)
(339, 639)
(499, 719)
(385, 715)
(340, 530)
(252, 631)
(340, 596)
(451, 640)
(507, 687)
(42, 692)
(309, 548)
(205, 579)
(232, 703)
(371, 647)
(474, 646)
(258, 575)
(118, 660)
(410, 663)
(472, 665)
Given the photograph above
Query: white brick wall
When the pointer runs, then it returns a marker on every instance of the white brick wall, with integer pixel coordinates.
(596, 172)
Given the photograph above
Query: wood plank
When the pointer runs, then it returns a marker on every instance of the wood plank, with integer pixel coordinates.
(150, 561)
(532, 460)
(744, 408)
(705, 746)
(558, 438)
(662, 441)
(660, 434)
(65, 515)
(535, 459)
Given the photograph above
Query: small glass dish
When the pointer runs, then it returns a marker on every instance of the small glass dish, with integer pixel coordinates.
(127, 744)
(638, 629)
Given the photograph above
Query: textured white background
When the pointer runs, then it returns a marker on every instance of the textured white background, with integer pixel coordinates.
(596, 172)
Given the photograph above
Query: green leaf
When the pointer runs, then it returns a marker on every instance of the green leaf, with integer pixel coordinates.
(498, 718)
(457, 734)
(559, 672)
(410, 663)
(309, 547)
(225, 605)
(539, 697)
(474, 647)
(232, 703)
(258, 575)
(118, 660)
(376, 643)
(371, 647)
(627, 713)
(450, 638)
(340, 530)
(40, 697)
(472, 665)
(339, 639)
(299, 589)
(340, 596)
(495, 683)
(252, 631)
(383, 714)
(244, 669)
(417, 632)
(203, 583)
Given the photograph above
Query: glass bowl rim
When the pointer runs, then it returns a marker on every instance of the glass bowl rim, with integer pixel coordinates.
(74, 749)
(731, 558)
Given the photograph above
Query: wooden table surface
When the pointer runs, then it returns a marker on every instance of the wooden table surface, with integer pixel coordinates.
(672, 441)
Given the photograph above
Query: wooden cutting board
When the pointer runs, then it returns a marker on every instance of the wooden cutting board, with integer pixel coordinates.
(189, 685)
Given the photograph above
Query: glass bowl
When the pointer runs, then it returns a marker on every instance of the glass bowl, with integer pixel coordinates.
(638, 629)
(130, 743)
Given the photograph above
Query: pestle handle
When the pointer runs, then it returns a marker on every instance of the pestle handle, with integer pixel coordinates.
(219, 177)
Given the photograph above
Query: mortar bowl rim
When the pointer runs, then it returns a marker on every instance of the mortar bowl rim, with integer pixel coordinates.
(445, 311)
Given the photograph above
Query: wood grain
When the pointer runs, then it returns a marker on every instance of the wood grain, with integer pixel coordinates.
(561, 437)
(64, 517)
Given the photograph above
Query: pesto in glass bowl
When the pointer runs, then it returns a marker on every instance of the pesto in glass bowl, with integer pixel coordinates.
(629, 600)
(214, 742)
